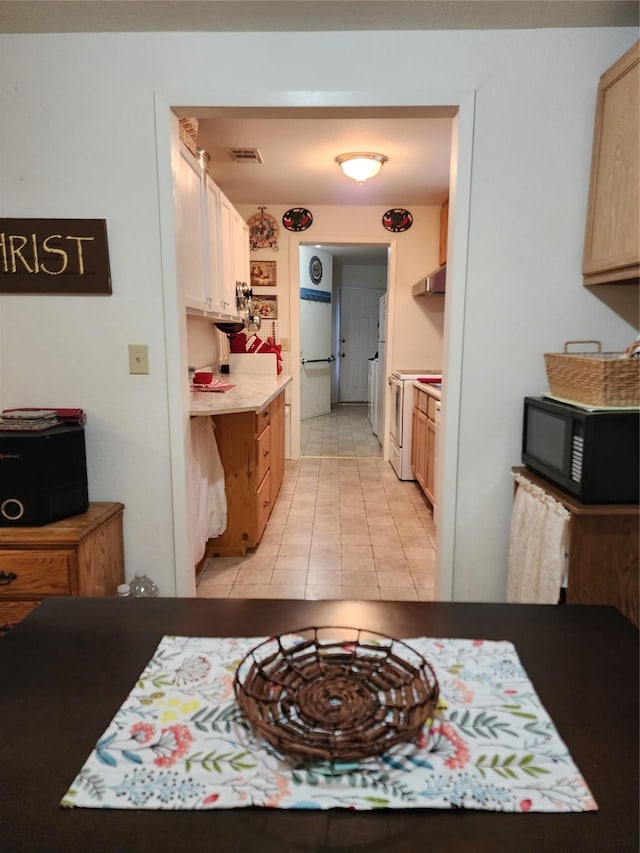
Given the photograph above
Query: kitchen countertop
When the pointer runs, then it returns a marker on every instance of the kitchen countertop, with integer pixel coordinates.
(428, 389)
(252, 392)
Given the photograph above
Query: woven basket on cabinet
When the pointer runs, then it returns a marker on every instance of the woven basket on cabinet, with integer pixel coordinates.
(594, 378)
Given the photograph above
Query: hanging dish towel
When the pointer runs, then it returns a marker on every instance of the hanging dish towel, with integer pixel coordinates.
(208, 501)
(537, 546)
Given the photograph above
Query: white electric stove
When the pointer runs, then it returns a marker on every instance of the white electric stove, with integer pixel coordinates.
(400, 421)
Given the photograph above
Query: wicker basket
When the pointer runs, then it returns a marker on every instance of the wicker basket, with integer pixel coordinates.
(189, 133)
(594, 378)
(335, 694)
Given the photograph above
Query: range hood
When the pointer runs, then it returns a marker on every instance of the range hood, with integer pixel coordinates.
(432, 285)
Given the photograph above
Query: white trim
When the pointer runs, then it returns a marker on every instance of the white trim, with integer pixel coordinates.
(454, 321)
(175, 335)
(175, 327)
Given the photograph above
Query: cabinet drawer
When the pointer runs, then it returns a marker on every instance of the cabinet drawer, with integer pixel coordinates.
(263, 419)
(263, 453)
(11, 612)
(423, 401)
(37, 573)
(432, 404)
(263, 504)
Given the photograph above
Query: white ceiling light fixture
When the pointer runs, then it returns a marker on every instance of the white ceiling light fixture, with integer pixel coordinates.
(361, 165)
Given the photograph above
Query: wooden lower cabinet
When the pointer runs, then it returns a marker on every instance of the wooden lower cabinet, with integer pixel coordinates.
(80, 555)
(251, 447)
(423, 442)
(603, 551)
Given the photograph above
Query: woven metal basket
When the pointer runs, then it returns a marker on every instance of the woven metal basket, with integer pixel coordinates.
(594, 378)
(335, 694)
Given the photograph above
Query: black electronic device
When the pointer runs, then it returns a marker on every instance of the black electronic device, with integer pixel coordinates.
(43, 475)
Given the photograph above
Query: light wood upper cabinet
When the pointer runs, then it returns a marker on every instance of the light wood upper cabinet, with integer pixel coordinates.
(612, 239)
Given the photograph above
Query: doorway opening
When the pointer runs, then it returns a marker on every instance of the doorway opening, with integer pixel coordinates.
(342, 291)
(460, 106)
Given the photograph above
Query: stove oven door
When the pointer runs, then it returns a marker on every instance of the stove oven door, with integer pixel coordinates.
(397, 405)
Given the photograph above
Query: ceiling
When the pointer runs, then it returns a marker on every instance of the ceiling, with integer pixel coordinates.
(47, 16)
(298, 148)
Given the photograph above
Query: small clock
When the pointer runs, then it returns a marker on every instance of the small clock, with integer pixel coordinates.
(315, 269)
(263, 231)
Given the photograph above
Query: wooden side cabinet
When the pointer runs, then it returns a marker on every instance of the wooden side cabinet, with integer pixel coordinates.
(251, 447)
(612, 238)
(603, 558)
(80, 555)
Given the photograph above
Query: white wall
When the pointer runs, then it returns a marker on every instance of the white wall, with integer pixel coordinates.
(203, 342)
(360, 275)
(78, 139)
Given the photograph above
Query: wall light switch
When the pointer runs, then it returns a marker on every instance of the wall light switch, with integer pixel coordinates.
(284, 343)
(138, 358)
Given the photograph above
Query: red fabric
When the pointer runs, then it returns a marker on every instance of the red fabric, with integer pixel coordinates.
(72, 415)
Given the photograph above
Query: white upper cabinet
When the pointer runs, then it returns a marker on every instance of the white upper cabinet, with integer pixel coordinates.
(188, 182)
(213, 249)
(212, 240)
(241, 269)
(234, 236)
(227, 281)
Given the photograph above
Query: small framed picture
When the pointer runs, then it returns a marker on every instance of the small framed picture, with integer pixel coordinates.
(263, 274)
(266, 306)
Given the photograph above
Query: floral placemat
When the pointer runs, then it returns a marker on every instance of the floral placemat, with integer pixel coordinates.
(179, 741)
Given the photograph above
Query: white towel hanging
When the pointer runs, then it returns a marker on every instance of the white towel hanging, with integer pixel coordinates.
(537, 546)
(207, 498)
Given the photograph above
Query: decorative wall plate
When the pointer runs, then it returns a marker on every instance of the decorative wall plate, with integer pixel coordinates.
(397, 219)
(263, 231)
(315, 269)
(297, 219)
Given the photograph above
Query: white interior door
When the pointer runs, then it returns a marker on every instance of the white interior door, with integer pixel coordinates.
(315, 370)
(315, 332)
(359, 308)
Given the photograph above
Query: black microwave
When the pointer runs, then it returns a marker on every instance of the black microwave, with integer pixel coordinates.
(592, 455)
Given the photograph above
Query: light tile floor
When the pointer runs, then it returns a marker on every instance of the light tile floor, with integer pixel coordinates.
(343, 527)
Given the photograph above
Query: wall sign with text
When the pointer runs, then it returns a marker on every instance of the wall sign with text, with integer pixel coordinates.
(54, 256)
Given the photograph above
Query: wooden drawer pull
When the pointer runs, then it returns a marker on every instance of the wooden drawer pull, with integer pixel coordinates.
(7, 577)
(266, 503)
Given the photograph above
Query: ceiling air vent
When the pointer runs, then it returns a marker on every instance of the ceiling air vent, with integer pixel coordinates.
(245, 155)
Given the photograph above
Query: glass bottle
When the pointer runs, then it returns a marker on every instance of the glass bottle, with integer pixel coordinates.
(143, 587)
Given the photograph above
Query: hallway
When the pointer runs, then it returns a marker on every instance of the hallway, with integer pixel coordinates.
(344, 526)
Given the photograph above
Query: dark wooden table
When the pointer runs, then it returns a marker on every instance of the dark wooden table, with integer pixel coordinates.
(66, 668)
